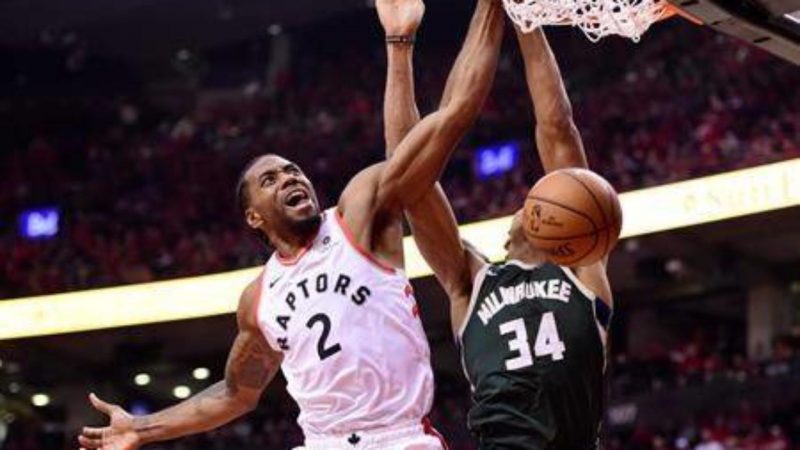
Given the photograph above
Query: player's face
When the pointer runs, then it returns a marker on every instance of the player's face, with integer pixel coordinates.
(280, 195)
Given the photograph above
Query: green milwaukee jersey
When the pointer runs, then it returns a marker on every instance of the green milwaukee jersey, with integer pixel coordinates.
(533, 349)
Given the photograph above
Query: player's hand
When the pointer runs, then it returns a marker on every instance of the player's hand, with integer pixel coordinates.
(400, 17)
(118, 435)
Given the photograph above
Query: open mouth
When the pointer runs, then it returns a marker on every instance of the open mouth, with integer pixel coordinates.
(296, 197)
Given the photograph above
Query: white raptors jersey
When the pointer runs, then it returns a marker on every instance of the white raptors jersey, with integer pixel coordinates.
(355, 354)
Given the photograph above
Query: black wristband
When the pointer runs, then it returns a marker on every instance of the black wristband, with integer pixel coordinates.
(399, 39)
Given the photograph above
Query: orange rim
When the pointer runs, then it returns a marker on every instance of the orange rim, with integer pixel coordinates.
(671, 11)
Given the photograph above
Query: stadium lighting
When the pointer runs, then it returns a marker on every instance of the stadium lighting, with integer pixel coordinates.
(142, 379)
(275, 29)
(702, 200)
(201, 373)
(40, 400)
(181, 392)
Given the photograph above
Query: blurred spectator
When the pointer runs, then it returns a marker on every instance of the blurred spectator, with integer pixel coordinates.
(146, 194)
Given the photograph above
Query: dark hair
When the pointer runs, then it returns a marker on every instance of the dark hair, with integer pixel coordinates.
(243, 196)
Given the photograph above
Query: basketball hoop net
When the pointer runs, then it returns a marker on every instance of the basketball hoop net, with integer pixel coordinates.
(596, 18)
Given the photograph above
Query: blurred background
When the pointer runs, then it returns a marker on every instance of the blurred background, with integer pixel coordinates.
(124, 125)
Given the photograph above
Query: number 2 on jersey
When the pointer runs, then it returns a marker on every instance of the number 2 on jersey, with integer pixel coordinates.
(323, 349)
(547, 341)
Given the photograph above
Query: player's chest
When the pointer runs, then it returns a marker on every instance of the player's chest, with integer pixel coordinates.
(328, 287)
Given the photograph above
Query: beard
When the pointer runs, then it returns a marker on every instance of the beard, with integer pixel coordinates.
(308, 225)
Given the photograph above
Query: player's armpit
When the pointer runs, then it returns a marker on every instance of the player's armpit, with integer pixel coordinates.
(379, 234)
(595, 277)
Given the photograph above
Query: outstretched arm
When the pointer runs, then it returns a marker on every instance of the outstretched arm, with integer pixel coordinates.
(432, 220)
(557, 138)
(251, 366)
(400, 20)
(378, 195)
(420, 158)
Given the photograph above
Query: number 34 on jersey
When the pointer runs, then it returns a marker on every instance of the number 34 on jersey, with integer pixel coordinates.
(547, 341)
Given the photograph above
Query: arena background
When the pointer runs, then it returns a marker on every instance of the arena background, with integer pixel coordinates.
(123, 128)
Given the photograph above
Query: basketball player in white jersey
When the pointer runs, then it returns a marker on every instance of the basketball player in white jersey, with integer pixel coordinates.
(332, 308)
(543, 400)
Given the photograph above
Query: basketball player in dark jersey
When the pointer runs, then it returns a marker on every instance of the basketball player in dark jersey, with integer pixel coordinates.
(531, 334)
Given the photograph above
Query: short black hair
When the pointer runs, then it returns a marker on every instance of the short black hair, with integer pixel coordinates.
(243, 195)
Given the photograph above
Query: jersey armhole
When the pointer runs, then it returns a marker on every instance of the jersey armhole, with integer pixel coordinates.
(257, 313)
(473, 298)
(600, 309)
(351, 239)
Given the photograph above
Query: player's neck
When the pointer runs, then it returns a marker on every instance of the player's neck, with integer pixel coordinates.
(526, 254)
(291, 245)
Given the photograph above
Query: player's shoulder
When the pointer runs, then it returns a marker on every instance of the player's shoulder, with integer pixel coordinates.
(512, 266)
(248, 301)
(360, 190)
(363, 178)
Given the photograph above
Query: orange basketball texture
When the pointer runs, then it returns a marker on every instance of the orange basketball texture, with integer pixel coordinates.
(574, 216)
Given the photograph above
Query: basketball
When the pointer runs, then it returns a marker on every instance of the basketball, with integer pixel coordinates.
(574, 216)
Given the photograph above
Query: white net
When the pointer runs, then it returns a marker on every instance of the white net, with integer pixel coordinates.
(596, 18)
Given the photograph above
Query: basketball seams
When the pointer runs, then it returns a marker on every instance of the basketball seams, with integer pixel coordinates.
(574, 236)
(580, 213)
(599, 207)
(568, 208)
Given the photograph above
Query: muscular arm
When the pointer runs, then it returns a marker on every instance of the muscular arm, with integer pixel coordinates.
(251, 366)
(420, 158)
(379, 194)
(433, 223)
(557, 138)
(400, 112)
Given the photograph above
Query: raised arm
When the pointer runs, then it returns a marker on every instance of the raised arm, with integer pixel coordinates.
(557, 138)
(432, 220)
(421, 156)
(375, 199)
(400, 20)
(251, 366)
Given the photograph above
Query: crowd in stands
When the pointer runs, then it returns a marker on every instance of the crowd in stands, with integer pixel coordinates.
(698, 367)
(745, 426)
(146, 194)
(697, 361)
(742, 428)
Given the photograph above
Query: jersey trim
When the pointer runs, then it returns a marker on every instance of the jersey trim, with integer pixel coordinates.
(354, 243)
(260, 279)
(582, 287)
(273, 344)
(601, 327)
(523, 265)
(476, 288)
(285, 261)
